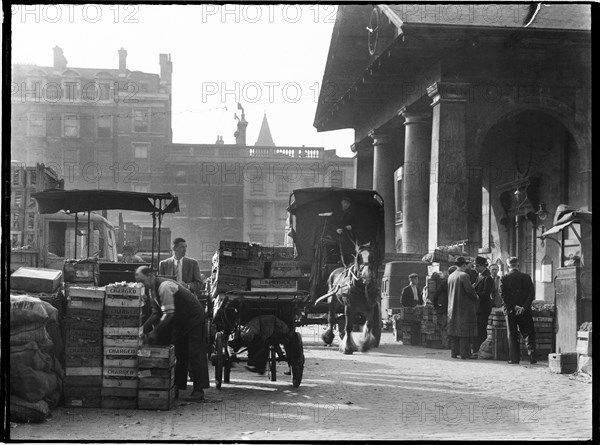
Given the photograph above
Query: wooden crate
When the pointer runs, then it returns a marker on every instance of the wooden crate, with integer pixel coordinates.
(80, 271)
(123, 322)
(156, 356)
(285, 269)
(584, 342)
(122, 341)
(156, 378)
(83, 380)
(82, 396)
(234, 249)
(76, 361)
(156, 399)
(274, 284)
(249, 270)
(565, 363)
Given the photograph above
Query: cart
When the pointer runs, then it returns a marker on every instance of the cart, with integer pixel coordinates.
(233, 309)
(309, 211)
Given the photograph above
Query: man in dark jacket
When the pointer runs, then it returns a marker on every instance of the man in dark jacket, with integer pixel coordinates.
(484, 286)
(440, 303)
(411, 294)
(517, 292)
(462, 311)
(182, 324)
(342, 229)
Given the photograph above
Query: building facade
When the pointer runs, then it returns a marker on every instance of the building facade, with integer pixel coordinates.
(241, 192)
(473, 120)
(98, 128)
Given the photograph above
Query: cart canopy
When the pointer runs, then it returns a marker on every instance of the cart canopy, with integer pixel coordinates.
(73, 201)
(306, 205)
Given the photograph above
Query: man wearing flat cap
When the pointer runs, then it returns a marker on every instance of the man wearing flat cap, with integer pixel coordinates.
(484, 286)
(517, 292)
(462, 311)
(411, 294)
(343, 228)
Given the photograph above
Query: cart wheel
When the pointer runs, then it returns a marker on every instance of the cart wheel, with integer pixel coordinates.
(297, 360)
(377, 324)
(218, 360)
(272, 364)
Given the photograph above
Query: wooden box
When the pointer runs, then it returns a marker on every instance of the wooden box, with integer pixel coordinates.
(115, 377)
(227, 283)
(156, 356)
(565, 363)
(82, 396)
(75, 361)
(119, 398)
(116, 331)
(274, 284)
(80, 271)
(156, 378)
(123, 301)
(132, 291)
(584, 342)
(83, 380)
(243, 270)
(120, 357)
(285, 269)
(35, 279)
(122, 341)
(156, 399)
(234, 249)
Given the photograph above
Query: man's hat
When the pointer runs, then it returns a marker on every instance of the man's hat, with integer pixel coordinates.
(413, 275)
(481, 261)
(513, 260)
(461, 260)
(346, 198)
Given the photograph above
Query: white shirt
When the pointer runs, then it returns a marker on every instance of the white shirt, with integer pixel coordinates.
(179, 269)
(415, 293)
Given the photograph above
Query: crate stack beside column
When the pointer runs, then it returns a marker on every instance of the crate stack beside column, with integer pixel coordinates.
(83, 346)
(156, 377)
(122, 332)
(431, 336)
(282, 271)
(410, 320)
(233, 267)
(496, 328)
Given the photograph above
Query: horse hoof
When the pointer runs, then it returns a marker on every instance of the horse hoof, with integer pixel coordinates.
(348, 352)
(328, 337)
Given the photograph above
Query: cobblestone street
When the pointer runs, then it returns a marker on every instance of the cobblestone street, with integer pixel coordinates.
(395, 392)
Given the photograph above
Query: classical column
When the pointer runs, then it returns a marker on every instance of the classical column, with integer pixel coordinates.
(449, 188)
(415, 181)
(384, 165)
(363, 166)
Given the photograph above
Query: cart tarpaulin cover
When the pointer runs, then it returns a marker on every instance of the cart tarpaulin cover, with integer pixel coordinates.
(306, 205)
(73, 201)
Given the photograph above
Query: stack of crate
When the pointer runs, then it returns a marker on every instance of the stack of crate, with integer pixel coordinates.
(410, 321)
(282, 271)
(431, 336)
(156, 377)
(83, 346)
(496, 328)
(544, 337)
(122, 332)
(584, 348)
(233, 266)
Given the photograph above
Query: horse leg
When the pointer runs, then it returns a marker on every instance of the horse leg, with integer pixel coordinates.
(328, 335)
(347, 346)
(367, 340)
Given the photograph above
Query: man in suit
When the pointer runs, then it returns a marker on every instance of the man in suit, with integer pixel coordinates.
(484, 286)
(185, 270)
(440, 303)
(411, 294)
(462, 311)
(517, 292)
(494, 269)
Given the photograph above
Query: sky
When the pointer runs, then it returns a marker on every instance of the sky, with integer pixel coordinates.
(270, 58)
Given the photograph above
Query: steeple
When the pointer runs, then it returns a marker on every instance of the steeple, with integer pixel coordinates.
(264, 136)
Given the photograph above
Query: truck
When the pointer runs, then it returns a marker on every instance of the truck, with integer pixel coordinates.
(46, 240)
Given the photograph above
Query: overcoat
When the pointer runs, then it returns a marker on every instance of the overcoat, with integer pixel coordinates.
(462, 305)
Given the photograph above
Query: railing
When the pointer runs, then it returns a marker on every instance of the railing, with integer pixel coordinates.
(291, 152)
(253, 152)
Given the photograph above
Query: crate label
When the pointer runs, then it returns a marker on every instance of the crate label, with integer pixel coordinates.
(82, 273)
(120, 351)
(120, 372)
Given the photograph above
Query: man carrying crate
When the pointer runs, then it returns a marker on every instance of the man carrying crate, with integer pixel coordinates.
(182, 324)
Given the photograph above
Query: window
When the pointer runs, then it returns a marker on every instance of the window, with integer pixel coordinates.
(32, 178)
(258, 187)
(90, 92)
(104, 126)
(104, 91)
(17, 199)
(17, 177)
(53, 90)
(16, 220)
(70, 90)
(35, 88)
(140, 155)
(30, 221)
(258, 216)
(282, 185)
(141, 120)
(70, 126)
(37, 124)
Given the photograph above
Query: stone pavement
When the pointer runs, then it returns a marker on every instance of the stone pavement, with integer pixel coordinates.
(395, 392)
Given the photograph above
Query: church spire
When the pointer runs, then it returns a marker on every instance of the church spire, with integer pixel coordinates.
(264, 136)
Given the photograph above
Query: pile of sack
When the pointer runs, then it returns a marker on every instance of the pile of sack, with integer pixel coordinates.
(36, 375)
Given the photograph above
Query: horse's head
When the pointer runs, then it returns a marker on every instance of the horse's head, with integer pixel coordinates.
(364, 261)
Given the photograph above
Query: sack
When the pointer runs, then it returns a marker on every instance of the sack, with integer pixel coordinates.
(25, 309)
(32, 385)
(53, 328)
(485, 350)
(29, 355)
(25, 412)
(26, 333)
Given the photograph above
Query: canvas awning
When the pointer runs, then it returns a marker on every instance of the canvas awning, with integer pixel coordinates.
(74, 201)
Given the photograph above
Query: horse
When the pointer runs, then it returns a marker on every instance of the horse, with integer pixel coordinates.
(356, 289)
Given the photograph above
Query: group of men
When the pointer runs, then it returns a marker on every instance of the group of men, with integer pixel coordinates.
(465, 298)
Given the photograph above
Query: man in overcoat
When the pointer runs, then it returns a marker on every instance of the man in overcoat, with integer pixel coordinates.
(462, 311)
(484, 286)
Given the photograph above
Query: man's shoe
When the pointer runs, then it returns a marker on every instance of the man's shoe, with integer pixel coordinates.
(454, 355)
(256, 369)
(532, 360)
(197, 395)
(510, 362)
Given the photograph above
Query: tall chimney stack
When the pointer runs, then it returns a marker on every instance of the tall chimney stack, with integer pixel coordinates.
(60, 62)
(122, 60)
(166, 67)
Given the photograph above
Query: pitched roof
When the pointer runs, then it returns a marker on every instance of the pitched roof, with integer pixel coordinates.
(264, 136)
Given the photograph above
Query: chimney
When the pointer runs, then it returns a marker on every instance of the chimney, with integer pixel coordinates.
(240, 134)
(60, 62)
(122, 60)
(166, 67)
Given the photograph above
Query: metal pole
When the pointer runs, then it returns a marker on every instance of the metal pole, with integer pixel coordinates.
(160, 215)
(153, 230)
(88, 234)
(76, 221)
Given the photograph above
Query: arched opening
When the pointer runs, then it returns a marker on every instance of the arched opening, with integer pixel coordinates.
(528, 159)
